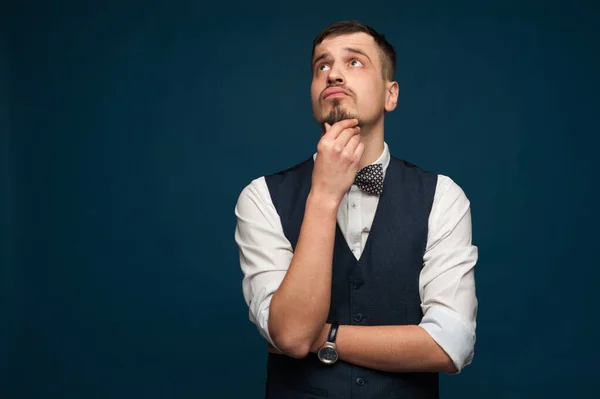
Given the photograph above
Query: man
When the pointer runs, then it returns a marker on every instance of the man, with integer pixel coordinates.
(358, 266)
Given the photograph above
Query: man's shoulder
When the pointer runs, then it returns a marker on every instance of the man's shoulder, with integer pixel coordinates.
(443, 182)
(308, 162)
(258, 187)
(412, 168)
(418, 168)
(293, 176)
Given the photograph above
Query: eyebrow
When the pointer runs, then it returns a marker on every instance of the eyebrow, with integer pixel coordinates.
(348, 49)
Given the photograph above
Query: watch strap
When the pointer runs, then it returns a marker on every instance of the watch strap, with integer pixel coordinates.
(333, 332)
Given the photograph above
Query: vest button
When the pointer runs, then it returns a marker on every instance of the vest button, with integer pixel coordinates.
(358, 317)
(360, 381)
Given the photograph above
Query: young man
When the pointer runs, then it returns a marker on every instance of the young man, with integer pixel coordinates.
(358, 266)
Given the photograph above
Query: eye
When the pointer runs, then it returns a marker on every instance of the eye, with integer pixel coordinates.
(355, 61)
(321, 67)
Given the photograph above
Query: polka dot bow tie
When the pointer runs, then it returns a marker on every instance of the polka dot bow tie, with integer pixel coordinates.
(370, 179)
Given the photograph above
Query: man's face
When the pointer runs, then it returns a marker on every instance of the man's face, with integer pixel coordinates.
(347, 80)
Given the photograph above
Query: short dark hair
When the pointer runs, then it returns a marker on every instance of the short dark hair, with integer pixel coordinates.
(387, 54)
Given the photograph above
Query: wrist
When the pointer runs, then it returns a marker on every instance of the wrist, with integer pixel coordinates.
(324, 203)
(321, 338)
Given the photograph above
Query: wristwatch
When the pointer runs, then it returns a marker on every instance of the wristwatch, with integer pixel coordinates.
(328, 352)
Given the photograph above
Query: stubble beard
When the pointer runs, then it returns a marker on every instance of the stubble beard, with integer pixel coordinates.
(338, 113)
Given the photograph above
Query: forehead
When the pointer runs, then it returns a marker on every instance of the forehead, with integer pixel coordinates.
(359, 40)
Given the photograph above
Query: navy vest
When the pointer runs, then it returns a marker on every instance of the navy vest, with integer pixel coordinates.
(381, 288)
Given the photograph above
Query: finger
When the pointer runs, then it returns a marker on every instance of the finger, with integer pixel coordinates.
(346, 135)
(338, 127)
(327, 126)
(360, 150)
(352, 144)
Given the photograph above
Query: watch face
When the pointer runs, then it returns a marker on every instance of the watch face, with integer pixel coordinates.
(328, 355)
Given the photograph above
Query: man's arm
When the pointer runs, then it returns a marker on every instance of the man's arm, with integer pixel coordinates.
(444, 339)
(299, 306)
(389, 348)
(266, 257)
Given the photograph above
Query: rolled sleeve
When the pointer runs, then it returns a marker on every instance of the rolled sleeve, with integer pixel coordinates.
(447, 283)
(449, 332)
(264, 251)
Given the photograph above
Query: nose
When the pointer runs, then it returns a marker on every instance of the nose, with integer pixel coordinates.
(335, 76)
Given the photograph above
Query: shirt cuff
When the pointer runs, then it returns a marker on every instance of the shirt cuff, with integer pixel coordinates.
(451, 334)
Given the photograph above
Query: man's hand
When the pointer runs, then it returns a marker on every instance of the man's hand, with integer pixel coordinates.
(338, 155)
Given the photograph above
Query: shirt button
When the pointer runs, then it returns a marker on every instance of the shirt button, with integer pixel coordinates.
(353, 205)
(358, 317)
(360, 381)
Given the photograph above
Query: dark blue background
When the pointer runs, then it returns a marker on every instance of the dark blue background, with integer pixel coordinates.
(120, 275)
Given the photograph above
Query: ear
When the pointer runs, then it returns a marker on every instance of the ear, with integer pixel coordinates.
(391, 96)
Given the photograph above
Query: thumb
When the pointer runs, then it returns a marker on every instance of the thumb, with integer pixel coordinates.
(327, 126)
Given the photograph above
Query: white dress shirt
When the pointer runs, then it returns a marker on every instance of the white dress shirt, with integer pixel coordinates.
(446, 282)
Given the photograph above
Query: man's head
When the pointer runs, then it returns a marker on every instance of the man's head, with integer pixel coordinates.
(353, 69)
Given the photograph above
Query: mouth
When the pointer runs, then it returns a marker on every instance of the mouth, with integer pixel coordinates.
(336, 95)
(334, 92)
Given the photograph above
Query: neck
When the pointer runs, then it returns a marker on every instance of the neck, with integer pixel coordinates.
(372, 138)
